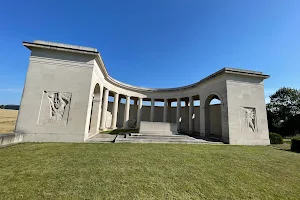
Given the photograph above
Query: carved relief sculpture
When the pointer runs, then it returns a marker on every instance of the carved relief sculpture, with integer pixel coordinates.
(58, 102)
(55, 107)
(247, 117)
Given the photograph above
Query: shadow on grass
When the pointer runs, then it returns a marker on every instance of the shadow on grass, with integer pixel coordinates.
(283, 147)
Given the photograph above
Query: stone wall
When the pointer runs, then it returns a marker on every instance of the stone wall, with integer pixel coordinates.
(53, 75)
(247, 110)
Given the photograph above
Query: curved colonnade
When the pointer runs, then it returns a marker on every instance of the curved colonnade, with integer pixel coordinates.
(88, 100)
(167, 96)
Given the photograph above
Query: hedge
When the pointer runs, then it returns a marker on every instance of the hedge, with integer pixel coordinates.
(275, 138)
(295, 144)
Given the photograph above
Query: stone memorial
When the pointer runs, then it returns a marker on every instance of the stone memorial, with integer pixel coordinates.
(67, 90)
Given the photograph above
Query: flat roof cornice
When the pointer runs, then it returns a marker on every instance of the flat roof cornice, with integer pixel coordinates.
(94, 52)
(60, 47)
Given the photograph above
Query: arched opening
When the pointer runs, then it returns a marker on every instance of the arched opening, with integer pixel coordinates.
(95, 112)
(213, 120)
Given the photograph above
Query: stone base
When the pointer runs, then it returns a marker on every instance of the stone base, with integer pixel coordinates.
(250, 141)
(10, 138)
(158, 128)
(53, 137)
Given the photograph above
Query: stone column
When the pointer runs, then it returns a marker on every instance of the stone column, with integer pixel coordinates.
(104, 109)
(152, 110)
(165, 110)
(100, 106)
(139, 113)
(191, 113)
(126, 112)
(224, 121)
(115, 111)
(178, 109)
(94, 126)
(202, 117)
(169, 119)
(97, 103)
(186, 117)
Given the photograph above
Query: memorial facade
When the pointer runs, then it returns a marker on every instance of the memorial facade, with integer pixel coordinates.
(69, 96)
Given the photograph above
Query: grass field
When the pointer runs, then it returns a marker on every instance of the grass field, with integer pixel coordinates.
(147, 171)
(8, 120)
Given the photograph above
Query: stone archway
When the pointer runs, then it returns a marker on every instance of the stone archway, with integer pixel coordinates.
(213, 118)
(95, 111)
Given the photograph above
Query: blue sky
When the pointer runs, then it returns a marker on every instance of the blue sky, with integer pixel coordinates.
(157, 43)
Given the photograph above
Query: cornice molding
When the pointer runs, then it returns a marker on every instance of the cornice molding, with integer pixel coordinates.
(99, 60)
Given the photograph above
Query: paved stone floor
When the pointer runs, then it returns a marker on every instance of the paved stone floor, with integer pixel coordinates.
(132, 138)
(102, 138)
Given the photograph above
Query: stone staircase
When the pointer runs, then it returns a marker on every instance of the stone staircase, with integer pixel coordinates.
(144, 138)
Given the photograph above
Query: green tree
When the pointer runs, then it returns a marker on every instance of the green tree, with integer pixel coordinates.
(1, 106)
(284, 106)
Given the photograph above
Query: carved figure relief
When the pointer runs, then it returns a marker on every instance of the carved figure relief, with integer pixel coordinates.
(248, 119)
(55, 107)
(58, 102)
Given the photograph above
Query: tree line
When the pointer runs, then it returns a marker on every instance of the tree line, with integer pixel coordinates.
(283, 112)
(11, 107)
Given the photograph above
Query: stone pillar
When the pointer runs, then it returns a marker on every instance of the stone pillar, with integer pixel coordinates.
(165, 110)
(94, 126)
(115, 111)
(100, 106)
(191, 112)
(139, 113)
(104, 109)
(224, 121)
(202, 117)
(97, 103)
(152, 110)
(126, 112)
(186, 116)
(178, 113)
(169, 111)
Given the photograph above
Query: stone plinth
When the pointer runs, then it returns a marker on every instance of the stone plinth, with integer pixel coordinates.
(10, 138)
(158, 128)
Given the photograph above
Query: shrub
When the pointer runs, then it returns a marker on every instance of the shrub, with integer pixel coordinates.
(275, 138)
(295, 144)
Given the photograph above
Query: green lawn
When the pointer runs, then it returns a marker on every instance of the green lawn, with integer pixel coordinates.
(147, 171)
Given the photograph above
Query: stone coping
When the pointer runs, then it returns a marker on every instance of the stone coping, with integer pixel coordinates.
(93, 51)
(60, 47)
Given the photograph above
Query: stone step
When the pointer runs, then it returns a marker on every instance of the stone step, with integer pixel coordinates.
(161, 139)
(166, 141)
